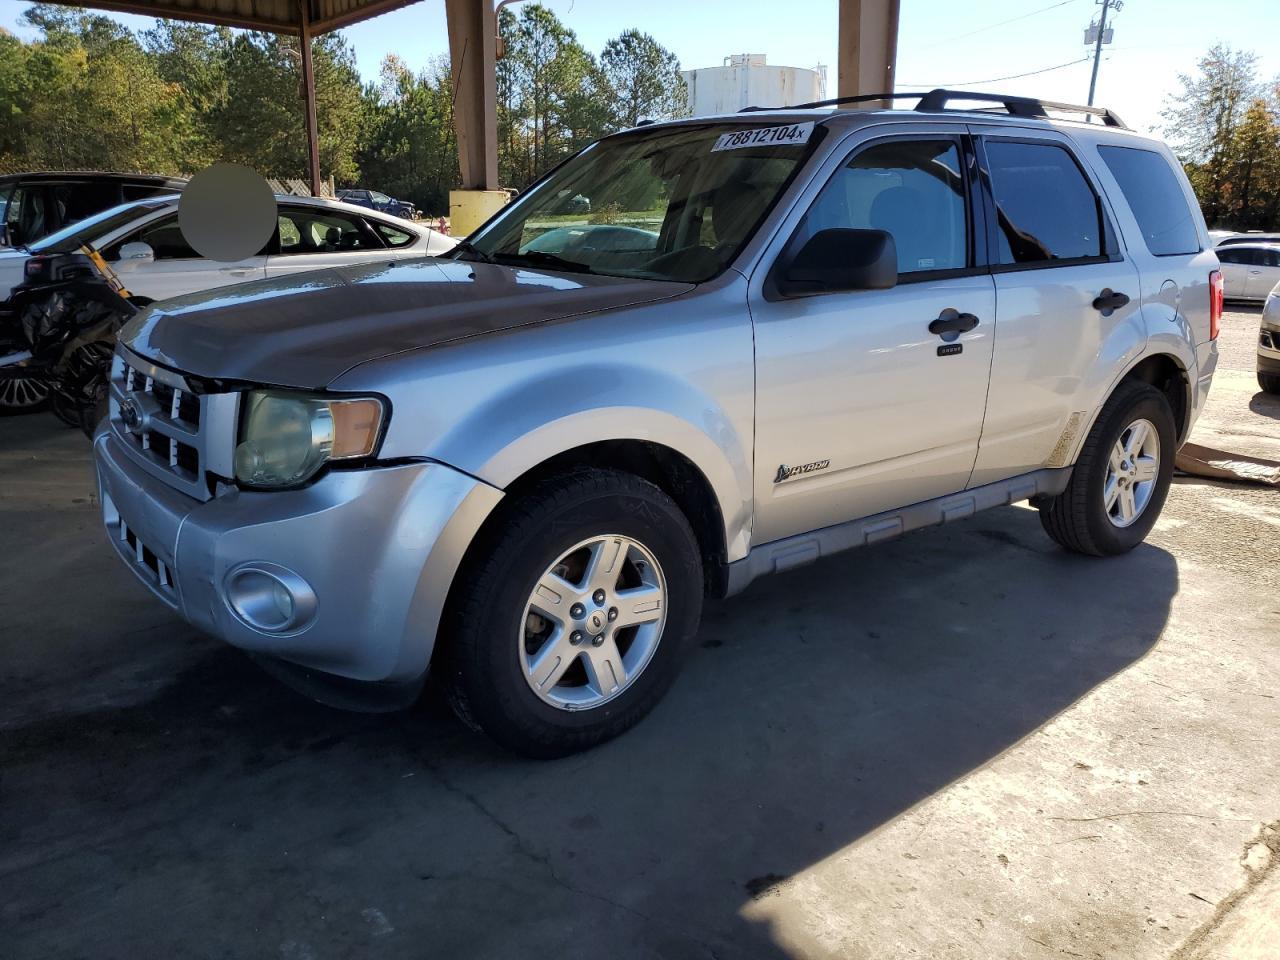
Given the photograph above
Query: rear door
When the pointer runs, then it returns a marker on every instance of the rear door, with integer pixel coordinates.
(1264, 274)
(1054, 251)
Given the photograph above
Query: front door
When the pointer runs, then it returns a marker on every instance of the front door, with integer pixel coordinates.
(178, 269)
(859, 408)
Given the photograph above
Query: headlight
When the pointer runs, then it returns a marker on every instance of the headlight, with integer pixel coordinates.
(286, 437)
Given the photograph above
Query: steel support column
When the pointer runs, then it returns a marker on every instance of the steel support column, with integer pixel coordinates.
(868, 51)
(309, 97)
(473, 30)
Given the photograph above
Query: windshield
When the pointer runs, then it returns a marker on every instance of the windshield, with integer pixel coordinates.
(668, 204)
(92, 229)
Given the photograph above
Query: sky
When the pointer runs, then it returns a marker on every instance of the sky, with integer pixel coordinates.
(940, 42)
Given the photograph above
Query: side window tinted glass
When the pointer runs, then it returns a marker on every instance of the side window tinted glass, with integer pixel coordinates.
(79, 200)
(911, 189)
(165, 238)
(392, 236)
(321, 231)
(1156, 199)
(140, 191)
(1045, 209)
(1229, 256)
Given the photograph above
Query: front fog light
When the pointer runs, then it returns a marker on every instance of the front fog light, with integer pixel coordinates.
(269, 597)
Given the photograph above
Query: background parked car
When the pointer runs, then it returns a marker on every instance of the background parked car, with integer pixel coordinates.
(1256, 237)
(1249, 270)
(143, 243)
(380, 202)
(34, 205)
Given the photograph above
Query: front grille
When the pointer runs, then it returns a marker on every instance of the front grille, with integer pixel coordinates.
(167, 428)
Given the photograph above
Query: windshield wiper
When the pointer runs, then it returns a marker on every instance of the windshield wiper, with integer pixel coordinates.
(539, 258)
(467, 247)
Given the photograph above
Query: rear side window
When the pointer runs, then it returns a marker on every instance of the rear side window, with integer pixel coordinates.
(392, 236)
(1045, 208)
(1156, 199)
(1231, 256)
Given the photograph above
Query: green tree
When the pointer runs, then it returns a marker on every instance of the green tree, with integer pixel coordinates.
(642, 80)
(1202, 120)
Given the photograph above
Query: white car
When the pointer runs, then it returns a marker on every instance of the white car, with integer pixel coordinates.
(1249, 270)
(144, 245)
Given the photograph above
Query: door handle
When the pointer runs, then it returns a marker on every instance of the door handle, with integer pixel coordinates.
(237, 271)
(952, 321)
(1108, 301)
(1254, 273)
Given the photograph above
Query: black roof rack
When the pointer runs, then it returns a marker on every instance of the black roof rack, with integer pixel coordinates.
(937, 101)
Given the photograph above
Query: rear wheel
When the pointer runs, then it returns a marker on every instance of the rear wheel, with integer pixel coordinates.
(570, 620)
(1270, 382)
(1121, 478)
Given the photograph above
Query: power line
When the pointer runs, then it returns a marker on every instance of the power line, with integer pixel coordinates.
(1001, 23)
(1014, 76)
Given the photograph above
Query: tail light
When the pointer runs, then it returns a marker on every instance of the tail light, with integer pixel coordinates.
(1217, 293)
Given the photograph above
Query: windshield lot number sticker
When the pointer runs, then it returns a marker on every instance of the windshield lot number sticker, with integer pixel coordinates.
(792, 133)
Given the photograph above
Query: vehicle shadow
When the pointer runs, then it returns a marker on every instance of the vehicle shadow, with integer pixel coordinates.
(228, 816)
(1266, 404)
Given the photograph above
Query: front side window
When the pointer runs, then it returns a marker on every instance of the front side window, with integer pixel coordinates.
(1045, 208)
(1156, 199)
(1231, 256)
(911, 189)
(323, 231)
(673, 203)
(166, 240)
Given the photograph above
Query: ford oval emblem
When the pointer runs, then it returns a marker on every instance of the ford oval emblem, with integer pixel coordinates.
(131, 415)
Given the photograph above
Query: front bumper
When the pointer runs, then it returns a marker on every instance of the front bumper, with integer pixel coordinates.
(1269, 348)
(378, 549)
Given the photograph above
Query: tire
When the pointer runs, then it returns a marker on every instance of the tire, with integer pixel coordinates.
(495, 627)
(1269, 382)
(1079, 519)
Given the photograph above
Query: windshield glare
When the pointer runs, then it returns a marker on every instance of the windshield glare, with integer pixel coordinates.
(91, 229)
(668, 204)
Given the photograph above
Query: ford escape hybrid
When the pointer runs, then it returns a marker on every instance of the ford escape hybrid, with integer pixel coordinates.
(776, 335)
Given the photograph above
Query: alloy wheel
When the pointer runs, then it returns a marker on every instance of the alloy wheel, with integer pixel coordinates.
(1132, 470)
(592, 622)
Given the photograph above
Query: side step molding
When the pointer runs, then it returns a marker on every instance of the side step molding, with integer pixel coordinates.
(805, 548)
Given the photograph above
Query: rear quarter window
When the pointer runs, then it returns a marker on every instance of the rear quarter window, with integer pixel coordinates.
(1154, 195)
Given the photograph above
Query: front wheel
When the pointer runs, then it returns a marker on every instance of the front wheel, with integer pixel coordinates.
(1121, 478)
(569, 621)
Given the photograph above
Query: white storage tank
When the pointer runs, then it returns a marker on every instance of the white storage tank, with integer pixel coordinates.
(746, 80)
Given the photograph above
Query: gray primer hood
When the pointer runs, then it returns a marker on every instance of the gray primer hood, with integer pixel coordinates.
(306, 329)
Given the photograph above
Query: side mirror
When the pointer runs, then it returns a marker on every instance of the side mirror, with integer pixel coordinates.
(840, 260)
(134, 255)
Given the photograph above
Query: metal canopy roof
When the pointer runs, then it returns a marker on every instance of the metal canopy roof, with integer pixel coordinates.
(277, 16)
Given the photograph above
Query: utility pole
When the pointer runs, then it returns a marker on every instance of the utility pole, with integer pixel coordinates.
(1097, 45)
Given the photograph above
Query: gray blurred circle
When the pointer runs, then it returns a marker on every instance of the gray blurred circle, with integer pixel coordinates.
(227, 212)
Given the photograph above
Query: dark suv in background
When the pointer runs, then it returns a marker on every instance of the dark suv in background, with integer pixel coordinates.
(34, 205)
(375, 200)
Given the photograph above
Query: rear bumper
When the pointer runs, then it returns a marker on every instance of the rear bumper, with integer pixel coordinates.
(376, 549)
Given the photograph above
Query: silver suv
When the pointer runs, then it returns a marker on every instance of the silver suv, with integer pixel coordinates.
(768, 337)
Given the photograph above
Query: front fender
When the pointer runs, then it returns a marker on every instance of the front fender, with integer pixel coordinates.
(518, 429)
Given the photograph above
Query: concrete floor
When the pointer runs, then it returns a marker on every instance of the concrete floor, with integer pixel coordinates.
(962, 744)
